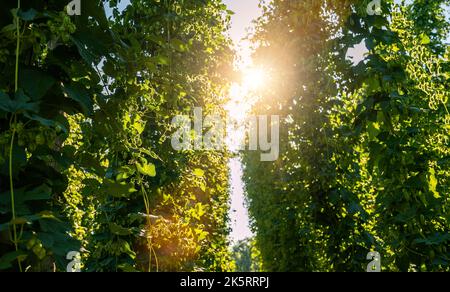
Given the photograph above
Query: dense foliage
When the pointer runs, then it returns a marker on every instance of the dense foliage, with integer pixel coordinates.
(85, 157)
(246, 256)
(87, 166)
(365, 146)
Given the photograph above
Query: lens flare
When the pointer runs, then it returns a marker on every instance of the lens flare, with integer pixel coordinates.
(253, 79)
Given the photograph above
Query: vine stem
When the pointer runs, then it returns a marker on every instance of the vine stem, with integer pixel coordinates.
(16, 83)
(149, 223)
(13, 124)
(13, 208)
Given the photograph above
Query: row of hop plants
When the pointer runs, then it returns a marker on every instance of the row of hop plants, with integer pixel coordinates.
(365, 143)
(85, 159)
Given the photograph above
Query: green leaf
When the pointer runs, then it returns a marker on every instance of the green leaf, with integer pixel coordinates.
(139, 127)
(373, 129)
(23, 195)
(147, 169)
(178, 45)
(93, 9)
(436, 239)
(4, 101)
(125, 248)
(47, 239)
(85, 53)
(157, 39)
(35, 83)
(424, 39)
(162, 60)
(118, 189)
(78, 93)
(48, 123)
(373, 84)
(9, 28)
(199, 172)
(7, 259)
(28, 15)
(124, 173)
(119, 230)
(432, 183)
(19, 104)
(43, 192)
(53, 225)
(19, 159)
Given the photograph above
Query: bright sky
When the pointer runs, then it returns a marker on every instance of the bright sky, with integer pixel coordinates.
(245, 12)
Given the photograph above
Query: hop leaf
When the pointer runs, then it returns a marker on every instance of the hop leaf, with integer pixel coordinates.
(199, 172)
(147, 169)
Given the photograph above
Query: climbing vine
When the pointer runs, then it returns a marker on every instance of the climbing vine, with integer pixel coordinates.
(87, 166)
(364, 166)
(86, 163)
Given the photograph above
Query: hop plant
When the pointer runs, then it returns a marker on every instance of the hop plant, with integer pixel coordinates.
(61, 27)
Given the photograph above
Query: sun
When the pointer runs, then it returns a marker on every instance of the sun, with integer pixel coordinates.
(242, 96)
(253, 78)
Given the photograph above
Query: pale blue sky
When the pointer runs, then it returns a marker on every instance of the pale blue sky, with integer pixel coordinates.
(245, 12)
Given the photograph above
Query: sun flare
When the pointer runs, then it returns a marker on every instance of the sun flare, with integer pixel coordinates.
(253, 78)
(242, 96)
(244, 93)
